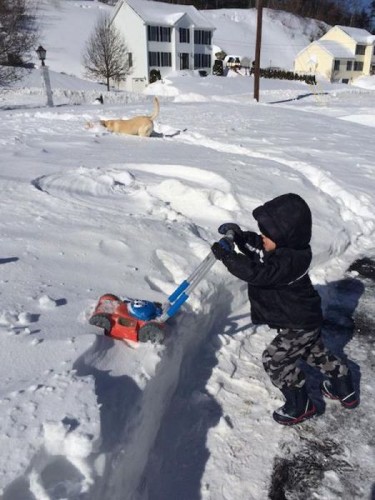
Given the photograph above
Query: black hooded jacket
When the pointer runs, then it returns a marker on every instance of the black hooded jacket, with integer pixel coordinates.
(280, 291)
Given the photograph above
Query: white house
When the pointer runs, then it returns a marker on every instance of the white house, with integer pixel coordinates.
(164, 37)
(342, 54)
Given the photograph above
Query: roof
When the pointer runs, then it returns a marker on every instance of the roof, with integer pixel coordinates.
(166, 14)
(336, 49)
(358, 34)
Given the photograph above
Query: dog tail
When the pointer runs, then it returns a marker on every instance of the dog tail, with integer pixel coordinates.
(155, 113)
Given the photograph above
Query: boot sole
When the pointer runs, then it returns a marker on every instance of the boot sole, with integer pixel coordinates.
(297, 420)
(348, 406)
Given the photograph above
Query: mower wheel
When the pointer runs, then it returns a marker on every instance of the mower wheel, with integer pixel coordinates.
(151, 332)
(102, 321)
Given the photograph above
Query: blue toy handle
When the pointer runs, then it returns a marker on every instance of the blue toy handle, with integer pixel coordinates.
(182, 292)
(181, 288)
(176, 305)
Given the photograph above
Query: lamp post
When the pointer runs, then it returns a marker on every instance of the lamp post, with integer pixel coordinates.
(45, 74)
(41, 54)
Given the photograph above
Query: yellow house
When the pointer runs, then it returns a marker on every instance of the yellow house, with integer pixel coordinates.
(341, 55)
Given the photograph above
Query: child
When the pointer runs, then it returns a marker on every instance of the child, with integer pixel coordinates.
(275, 265)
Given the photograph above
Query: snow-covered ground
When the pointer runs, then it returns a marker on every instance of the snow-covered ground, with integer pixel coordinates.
(84, 212)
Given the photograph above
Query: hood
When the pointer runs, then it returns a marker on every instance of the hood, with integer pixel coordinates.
(286, 220)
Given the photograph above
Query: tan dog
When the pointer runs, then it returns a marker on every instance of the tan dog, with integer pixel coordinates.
(139, 125)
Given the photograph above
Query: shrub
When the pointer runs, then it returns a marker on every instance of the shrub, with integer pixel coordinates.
(155, 75)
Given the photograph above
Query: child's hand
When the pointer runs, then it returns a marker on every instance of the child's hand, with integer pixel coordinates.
(222, 248)
(230, 226)
(236, 232)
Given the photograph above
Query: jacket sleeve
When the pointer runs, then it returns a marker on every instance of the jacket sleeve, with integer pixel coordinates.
(276, 270)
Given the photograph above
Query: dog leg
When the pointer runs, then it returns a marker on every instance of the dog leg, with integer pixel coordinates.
(146, 131)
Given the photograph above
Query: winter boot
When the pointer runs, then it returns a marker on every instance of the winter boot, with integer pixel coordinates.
(298, 407)
(342, 389)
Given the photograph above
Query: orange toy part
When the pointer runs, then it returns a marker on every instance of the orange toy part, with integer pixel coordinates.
(112, 314)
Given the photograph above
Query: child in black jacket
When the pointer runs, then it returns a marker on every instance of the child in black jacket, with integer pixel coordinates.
(275, 265)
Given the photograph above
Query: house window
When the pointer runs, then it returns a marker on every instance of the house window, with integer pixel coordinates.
(160, 59)
(336, 66)
(360, 50)
(184, 35)
(158, 34)
(358, 66)
(202, 37)
(165, 34)
(166, 59)
(129, 57)
(202, 61)
(349, 65)
(153, 33)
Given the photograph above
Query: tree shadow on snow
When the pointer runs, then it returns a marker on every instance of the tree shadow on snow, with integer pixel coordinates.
(301, 96)
(6, 260)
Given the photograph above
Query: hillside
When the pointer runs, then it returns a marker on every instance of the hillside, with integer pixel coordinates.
(284, 35)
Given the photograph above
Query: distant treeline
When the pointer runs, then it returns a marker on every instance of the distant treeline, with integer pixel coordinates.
(343, 12)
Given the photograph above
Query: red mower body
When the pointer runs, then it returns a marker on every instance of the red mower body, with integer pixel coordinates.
(112, 314)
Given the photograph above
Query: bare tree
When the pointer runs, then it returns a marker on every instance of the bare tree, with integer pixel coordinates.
(106, 55)
(17, 38)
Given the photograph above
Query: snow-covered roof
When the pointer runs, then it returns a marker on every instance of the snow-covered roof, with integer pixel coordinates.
(166, 14)
(336, 49)
(358, 34)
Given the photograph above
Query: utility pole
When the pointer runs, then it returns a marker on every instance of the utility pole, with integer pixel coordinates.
(257, 49)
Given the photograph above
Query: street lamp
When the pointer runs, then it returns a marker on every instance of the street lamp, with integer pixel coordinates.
(41, 54)
(45, 74)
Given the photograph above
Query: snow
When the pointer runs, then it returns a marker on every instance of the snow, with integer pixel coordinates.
(85, 212)
(164, 14)
(336, 49)
(359, 35)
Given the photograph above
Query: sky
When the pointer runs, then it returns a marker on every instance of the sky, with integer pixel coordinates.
(85, 212)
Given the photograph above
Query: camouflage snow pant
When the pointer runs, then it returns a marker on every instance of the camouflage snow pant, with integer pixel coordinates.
(289, 346)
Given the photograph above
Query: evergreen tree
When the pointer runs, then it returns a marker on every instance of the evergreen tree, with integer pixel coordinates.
(372, 16)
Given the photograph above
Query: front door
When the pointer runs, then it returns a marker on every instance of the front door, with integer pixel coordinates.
(184, 60)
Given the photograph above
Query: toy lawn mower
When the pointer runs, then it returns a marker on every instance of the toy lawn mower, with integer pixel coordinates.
(142, 320)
